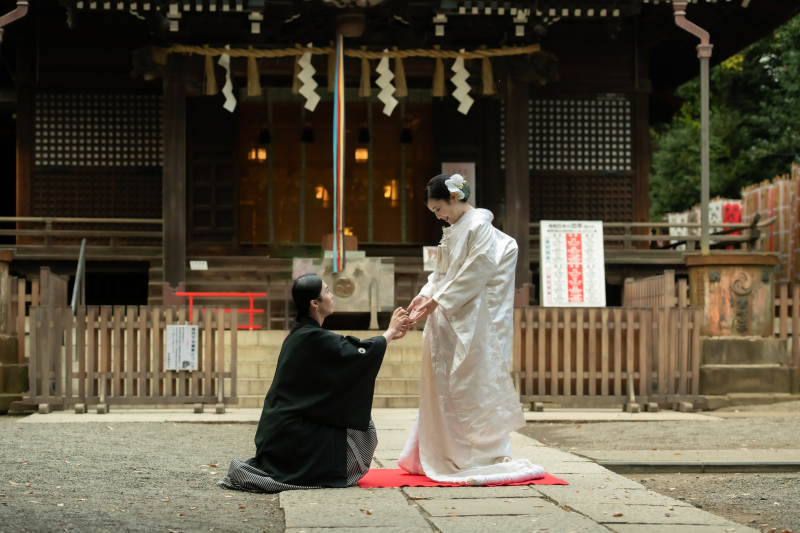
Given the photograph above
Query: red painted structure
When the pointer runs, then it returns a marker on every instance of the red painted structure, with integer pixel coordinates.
(251, 311)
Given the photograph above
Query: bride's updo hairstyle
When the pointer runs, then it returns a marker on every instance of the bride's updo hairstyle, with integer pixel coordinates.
(437, 190)
(304, 289)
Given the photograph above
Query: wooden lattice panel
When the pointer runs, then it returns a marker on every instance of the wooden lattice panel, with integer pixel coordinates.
(98, 195)
(560, 197)
(581, 135)
(98, 130)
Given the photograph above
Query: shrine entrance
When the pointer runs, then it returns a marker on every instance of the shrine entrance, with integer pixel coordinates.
(284, 149)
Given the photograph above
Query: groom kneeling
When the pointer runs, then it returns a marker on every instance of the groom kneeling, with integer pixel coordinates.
(316, 430)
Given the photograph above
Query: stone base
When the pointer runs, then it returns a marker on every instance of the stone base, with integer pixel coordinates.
(733, 400)
(6, 400)
(725, 379)
(13, 379)
(9, 354)
(744, 351)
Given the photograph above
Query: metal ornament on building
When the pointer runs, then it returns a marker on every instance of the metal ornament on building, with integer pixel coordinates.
(344, 287)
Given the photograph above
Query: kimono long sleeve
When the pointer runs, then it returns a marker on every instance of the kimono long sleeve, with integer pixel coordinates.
(328, 378)
(429, 288)
(475, 272)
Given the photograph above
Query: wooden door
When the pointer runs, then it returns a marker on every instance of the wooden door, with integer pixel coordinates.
(212, 175)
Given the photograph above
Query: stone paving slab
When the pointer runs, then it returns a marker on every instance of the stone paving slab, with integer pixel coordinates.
(392, 438)
(604, 513)
(614, 496)
(231, 416)
(511, 493)
(561, 522)
(557, 468)
(661, 528)
(608, 481)
(741, 455)
(609, 415)
(487, 506)
(379, 529)
(330, 508)
(387, 463)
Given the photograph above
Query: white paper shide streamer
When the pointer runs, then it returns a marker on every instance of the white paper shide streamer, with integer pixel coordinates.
(306, 75)
(227, 90)
(385, 83)
(459, 79)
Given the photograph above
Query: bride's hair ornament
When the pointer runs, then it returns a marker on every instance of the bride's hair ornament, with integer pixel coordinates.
(457, 184)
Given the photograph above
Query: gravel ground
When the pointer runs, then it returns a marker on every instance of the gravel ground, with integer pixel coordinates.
(761, 501)
(726, 434)
(756, 494)
(780, 407)
(128, 477)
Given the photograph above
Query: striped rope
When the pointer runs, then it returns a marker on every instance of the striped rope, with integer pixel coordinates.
(338, 160)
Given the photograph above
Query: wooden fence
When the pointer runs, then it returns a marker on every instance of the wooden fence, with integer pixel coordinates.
(47, 290)
(593, 356)
(787, 318)
(656, 292)
(117, 356)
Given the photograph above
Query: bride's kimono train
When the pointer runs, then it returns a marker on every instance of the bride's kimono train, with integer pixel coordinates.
(468, 405)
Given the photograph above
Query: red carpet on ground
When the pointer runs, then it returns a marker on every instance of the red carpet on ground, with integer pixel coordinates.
(396, 477)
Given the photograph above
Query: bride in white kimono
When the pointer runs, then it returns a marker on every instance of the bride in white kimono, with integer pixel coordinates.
(468, 405)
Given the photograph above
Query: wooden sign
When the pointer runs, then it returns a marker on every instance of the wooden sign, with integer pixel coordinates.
(572, 264)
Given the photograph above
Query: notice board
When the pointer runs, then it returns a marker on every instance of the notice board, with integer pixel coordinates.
(181, 348)
(572, 264)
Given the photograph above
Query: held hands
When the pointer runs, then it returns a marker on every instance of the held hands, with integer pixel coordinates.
(399, 324)
(419, 312)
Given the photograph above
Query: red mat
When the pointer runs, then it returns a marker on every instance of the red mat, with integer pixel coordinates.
(396, 477)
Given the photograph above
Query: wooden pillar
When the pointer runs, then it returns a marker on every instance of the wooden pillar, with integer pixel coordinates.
(174, 182)
(25, 121)
(5, 292)
(517, 176)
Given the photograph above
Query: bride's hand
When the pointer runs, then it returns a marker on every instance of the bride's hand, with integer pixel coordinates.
(416, 303)
(423, 311)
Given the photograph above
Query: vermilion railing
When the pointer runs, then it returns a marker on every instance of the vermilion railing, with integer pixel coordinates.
(251, 311)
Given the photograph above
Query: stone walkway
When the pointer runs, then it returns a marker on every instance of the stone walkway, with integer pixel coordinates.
(596, 499)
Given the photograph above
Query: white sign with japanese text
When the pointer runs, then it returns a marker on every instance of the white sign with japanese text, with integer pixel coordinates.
(429, 255)
(467, 171)
(182, 347)
(572, 264)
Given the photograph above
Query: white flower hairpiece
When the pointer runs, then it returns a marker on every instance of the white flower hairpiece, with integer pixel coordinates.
(456, 183)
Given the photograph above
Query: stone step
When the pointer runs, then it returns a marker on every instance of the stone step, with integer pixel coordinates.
(391, 387)
(394, 401)
(399, 370)
(251, 401)
(250, 386)
(391, 401)
(266, 370)
(400, 387)
(6, 401)
(725, 379)
(13, 379)
(256, 370)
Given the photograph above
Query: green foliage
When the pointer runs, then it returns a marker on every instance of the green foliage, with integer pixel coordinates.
(755, 125)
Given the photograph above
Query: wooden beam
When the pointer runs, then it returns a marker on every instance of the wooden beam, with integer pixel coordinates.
(517, 175)
(174, 181)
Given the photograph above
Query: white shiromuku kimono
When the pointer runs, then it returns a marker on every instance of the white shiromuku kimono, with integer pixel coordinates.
(468, 405)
